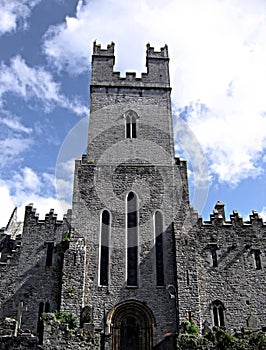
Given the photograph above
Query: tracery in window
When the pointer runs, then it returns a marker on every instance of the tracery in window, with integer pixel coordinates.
(132, 240)
(218, 313)
(131, 125)
(104, 251)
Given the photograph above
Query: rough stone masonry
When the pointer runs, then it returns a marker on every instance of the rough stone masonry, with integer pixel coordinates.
(132, 260)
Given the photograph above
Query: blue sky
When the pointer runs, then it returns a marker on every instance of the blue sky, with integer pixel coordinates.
(218, 75)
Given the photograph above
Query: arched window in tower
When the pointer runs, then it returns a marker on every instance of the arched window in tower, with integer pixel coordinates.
(104, 251)
(131, 125)
(158, 223)
(132, 240)
(218, 313)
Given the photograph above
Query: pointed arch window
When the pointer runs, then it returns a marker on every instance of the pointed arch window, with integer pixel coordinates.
(218, 313)
(104, 250)
(158, 222)
(131, 125)
(132, 240)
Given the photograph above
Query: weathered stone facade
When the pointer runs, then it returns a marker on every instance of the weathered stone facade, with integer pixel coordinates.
(133, 260)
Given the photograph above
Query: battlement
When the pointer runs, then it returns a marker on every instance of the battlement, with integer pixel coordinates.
(109, 51)
(163, 53)
(51, 217)
(217, 218)
(103, 74)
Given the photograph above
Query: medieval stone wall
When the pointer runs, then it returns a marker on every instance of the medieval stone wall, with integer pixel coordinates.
(213, 272)
(27, 278)
(218, 264)
(88, 205)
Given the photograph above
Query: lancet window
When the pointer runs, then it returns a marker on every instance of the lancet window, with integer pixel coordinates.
(158, 222)
(104, 250)
(132, 240)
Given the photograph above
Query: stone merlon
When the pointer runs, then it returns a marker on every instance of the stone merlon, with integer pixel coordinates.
(103, 74)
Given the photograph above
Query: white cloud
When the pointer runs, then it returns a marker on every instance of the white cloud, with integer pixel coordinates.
(64, 181)
(28, 178)
(26, 186)
(15, 140)
(15, 13)
(15, 125)
(218, 54)
(263, 214)
(34, 83)
(234, 146)
(12, 148)
(6, 205)
(43, 204)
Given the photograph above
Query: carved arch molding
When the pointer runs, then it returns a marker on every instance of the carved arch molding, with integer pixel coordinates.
(131, 325)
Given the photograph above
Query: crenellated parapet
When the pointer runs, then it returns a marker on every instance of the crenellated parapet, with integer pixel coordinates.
(50, 218)
(163, 53)
(109, 51)
(217, 218)
(103, 73)
(255, 219)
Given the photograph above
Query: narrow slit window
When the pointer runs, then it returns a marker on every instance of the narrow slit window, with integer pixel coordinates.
(47, 307)
(188, 279)
(257, 258)
(40, 325)
(214, 257)
(49, 255)
(104, 253)
(159, 249)
(132, 240)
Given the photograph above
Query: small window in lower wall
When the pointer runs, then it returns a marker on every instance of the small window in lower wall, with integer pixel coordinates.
(218, 313)
(47, 307)
(214, 256)
(86, 316)
(40, 325)
(257, 258)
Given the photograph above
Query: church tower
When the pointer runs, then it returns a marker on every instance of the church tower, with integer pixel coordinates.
(127, 190)
(133, 262)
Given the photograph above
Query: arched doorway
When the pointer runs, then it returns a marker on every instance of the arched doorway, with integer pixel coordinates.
(131, 324)
(130, 334)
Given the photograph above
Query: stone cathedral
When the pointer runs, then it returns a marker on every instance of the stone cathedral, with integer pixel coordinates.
(132, 260)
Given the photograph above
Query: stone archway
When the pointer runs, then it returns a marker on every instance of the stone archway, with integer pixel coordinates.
(131, 324)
